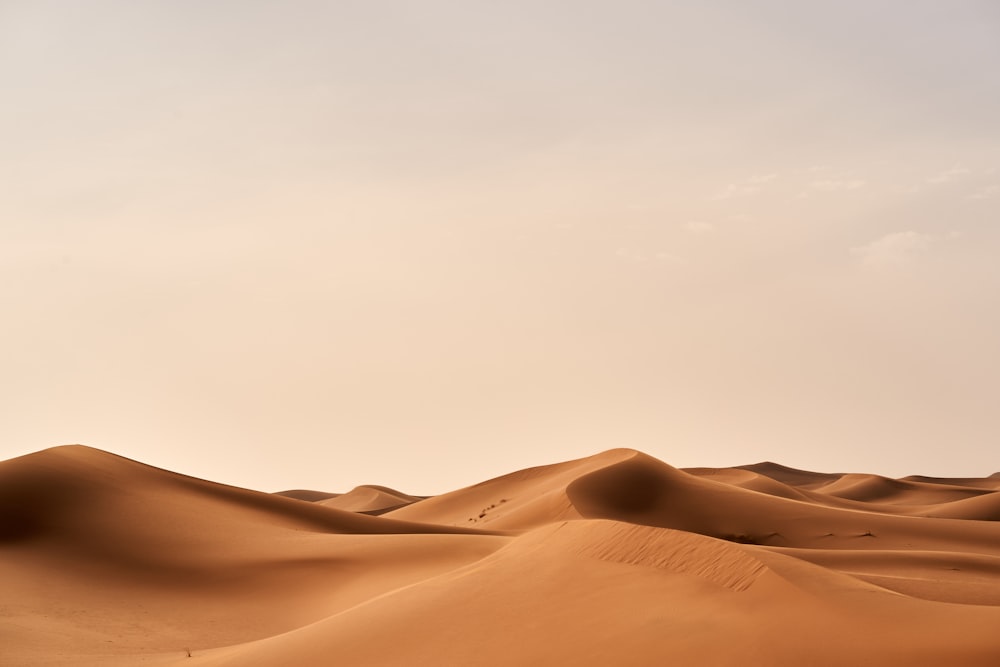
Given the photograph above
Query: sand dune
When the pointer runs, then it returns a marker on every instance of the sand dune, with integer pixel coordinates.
(307, 495)
(992, 482)
(370, 499)
(366, 499)
(139, 559)
(613, 559)
(790, 476)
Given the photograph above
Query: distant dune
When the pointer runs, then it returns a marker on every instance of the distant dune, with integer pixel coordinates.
(616, 559)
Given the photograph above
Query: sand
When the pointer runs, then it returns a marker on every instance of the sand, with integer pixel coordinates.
(614, 559)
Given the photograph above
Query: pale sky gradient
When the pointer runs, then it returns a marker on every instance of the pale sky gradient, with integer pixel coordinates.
(422, 243)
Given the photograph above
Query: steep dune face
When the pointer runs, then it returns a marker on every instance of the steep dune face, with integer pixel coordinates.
(641, 489)
(617, 558)
(517, 501)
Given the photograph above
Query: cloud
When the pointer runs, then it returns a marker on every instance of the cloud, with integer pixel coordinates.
(669, 258)
(750, 186)
(834, 185)
(631, 255)
(949, 175)
(699, 227)
(894, 250)
(642, 258)
(987, 192)
(737, 190)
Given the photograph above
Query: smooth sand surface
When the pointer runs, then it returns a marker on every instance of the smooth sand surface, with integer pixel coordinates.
(614, 559)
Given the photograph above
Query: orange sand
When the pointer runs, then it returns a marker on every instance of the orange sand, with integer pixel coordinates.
(616, 559)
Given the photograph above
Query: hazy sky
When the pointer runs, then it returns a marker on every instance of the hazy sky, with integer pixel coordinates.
(422, 243)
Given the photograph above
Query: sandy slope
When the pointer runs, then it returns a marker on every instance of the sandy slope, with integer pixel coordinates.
(102, 554)
(614, 559)
(370, 499)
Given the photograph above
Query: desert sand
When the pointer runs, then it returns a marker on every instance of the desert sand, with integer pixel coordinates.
(614, 559)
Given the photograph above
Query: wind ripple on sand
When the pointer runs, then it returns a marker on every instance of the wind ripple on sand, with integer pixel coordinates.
(671, 550)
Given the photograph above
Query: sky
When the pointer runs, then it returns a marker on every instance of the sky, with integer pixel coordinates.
(312, 244)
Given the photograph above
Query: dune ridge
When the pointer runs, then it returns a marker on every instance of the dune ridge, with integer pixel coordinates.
(617, 558)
